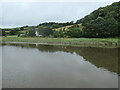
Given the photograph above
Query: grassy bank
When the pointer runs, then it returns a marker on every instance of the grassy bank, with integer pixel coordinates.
(85, 42)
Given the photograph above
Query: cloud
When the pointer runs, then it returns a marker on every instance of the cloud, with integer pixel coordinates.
(59, 0)
(15, 14)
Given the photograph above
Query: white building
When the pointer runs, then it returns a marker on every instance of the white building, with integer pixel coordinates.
(37, 34)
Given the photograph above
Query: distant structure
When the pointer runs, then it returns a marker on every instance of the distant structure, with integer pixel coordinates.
(37, 34)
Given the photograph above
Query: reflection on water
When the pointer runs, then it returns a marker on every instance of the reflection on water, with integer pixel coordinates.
(50, 66)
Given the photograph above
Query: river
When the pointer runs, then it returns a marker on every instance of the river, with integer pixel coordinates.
(53, 66)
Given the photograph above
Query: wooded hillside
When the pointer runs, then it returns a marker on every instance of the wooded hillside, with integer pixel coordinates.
(101, 23)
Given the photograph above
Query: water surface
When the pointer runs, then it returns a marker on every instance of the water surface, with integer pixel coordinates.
(49, 66)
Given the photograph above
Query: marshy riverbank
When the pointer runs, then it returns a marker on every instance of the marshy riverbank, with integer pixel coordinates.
(79, 42)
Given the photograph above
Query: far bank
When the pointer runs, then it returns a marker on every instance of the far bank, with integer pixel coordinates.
(80, 42)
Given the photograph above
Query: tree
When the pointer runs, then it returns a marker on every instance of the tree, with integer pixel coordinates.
(74, 32)
(2, 32)
(13, 32)
(111, 26)
(45, 31)
(103, 22)
(31, 33)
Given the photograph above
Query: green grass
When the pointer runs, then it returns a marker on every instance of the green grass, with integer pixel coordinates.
(92, 42)
(66, 27)
(11, 36)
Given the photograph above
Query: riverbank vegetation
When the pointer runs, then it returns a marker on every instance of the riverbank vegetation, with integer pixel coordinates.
(83, 42)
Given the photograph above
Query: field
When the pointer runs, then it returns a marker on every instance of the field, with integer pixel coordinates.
(67, 27)
(83, 42)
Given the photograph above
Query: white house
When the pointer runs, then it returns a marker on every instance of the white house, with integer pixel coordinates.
(37, 34)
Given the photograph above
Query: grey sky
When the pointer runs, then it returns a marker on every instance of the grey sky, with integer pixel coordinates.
(14, 14)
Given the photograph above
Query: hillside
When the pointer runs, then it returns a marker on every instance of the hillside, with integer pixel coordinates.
(101, 23)
(68, 31)
(67, 27)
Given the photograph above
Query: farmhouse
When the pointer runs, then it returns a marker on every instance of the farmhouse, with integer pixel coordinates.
(37, 34)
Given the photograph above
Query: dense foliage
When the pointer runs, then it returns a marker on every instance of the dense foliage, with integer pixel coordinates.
(103, 22)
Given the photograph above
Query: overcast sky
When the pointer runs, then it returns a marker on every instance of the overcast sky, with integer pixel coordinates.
(16, 14)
